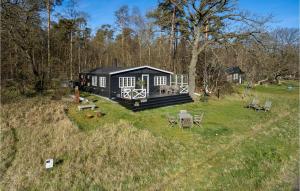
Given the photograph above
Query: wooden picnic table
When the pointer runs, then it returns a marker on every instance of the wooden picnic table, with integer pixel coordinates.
(185, 120)
(82, 107)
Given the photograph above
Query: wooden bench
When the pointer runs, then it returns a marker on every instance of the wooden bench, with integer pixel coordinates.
(81, 107)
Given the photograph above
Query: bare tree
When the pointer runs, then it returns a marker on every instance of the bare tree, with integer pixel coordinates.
(285, 45)
(213, 19)
(122, 20)
(49, 6)
(140, 28)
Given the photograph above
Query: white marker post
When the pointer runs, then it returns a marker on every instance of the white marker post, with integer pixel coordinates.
(49, 163)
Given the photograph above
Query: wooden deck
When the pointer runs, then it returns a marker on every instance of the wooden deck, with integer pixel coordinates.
(155, 101)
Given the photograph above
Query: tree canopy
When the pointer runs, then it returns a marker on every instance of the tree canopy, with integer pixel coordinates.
(198, 37)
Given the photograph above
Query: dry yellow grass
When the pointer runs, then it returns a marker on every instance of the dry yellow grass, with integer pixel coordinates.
(113, 157)
(236, 149)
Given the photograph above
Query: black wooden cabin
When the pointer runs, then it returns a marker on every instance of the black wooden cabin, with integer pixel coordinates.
(235, 75)
(136, 88)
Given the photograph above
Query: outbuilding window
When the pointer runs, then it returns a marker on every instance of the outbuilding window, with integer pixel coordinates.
(235, 76)
(160, 80)
(126, 82)
(102, 82)
(94, 80)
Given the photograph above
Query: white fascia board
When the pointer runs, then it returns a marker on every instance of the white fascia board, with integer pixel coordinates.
(140, 67)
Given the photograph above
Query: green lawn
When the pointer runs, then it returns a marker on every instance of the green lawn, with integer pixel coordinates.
(236, 149)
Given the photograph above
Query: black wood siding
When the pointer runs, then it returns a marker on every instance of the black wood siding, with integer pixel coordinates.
(115, 90)
(97, 89)
(230, 78)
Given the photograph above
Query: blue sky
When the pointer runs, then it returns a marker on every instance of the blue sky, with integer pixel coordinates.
(285, 12)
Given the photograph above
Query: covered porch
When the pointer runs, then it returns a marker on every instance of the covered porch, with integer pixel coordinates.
(178, 85)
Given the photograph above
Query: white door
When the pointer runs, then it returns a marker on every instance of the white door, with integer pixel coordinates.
(145, 80)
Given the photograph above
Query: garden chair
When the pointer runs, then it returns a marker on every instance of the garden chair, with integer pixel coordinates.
(267, 106)
(197, 119)
(163, 89)
(169, 90)
(172, 120)
(174, 89)
(253, 104)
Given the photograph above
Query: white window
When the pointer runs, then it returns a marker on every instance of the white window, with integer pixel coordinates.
(235, 76)
(126, 82)
(94, 80)
(173, 79)
(160, 80)
(102, 82)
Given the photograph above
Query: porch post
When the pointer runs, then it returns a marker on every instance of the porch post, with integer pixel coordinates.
(182, 80)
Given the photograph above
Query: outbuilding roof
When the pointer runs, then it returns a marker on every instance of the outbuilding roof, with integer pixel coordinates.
(233, 70)
(117, 70)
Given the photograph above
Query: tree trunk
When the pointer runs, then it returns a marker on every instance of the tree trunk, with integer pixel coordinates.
(124, 64)
(140, 52)
(108, 62)
(48, 40)
(71, 57)
(10, 59)
(172, 36)
(79, 62)
(192, 74)
(85, 61)
(149, 55)
(193, 63)
(205, 72)
(159, 46)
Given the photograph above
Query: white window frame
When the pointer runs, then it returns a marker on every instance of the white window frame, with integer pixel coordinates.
(160, 80)
(147, 85)
(94, 80)
(179, 79)
(235, 76)
(102, 82)
(127, 82)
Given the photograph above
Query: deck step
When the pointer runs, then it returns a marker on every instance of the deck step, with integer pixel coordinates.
(161, 105)
(156, 102)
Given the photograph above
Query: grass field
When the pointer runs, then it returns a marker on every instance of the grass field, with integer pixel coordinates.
(236, 149)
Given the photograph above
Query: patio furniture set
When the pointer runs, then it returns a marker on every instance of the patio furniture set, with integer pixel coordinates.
(254, 104)
(185, 119)
(172, 90)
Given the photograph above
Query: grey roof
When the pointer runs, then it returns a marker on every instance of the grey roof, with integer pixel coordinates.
(233, 70)
(115, 70)
(107, 70)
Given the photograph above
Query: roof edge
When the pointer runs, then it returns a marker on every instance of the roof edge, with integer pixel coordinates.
(139, 67)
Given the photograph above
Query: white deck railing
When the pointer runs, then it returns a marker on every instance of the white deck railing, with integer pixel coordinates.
(139, 93)
(131, 93)
(128, 93)
(184, 89)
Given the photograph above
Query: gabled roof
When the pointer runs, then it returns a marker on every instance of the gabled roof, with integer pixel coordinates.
(140, 67)
(117, 70)
(106, 70)
(233, 70)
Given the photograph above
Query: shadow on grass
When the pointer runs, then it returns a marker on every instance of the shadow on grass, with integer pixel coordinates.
(213, 130)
